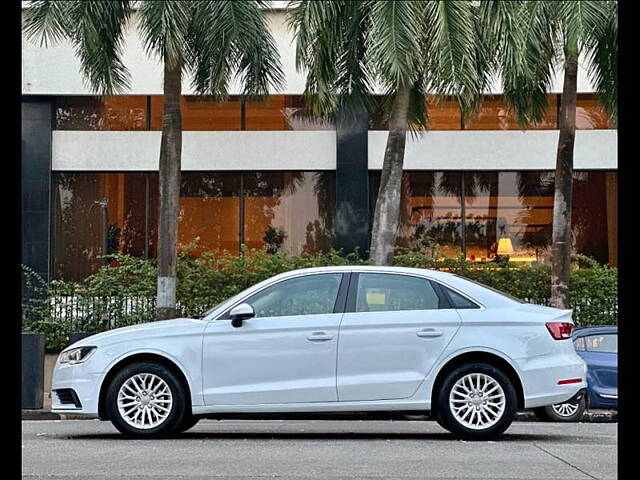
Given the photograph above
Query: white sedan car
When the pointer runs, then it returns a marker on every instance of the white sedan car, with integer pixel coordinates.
(327, 340)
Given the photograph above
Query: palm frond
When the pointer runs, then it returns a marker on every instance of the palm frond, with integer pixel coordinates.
(393, 39)
(601, 44)
(47, 20)
(163, 26)
(450, 57)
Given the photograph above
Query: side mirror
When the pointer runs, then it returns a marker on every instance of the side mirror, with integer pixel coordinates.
(241, 312)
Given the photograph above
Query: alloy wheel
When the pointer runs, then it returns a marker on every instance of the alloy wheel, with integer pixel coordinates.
(477, 401)
(566, 409)
(144, 401)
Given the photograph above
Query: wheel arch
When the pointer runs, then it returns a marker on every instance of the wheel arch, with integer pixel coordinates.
(137, 357)
(478, 356)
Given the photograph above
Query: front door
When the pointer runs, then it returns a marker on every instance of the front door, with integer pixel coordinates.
(285, 354)
(395, 328)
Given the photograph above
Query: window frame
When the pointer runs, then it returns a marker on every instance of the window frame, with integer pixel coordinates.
(338, 307)
(352, 294)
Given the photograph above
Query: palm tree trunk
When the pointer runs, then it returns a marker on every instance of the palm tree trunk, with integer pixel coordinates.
(387, 211)
(561, 238)
(170, 159)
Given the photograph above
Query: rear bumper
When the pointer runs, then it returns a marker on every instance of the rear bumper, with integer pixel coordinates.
(543, 377)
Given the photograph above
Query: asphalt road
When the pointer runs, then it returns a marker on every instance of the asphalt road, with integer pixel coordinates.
(317, 449)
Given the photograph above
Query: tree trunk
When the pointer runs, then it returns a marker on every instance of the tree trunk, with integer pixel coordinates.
(387, 211)
(170, 159)
(561, 239)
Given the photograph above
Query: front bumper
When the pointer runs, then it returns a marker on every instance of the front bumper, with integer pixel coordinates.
(84, 383)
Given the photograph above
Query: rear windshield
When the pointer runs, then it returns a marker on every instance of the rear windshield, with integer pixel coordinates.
(510, 297)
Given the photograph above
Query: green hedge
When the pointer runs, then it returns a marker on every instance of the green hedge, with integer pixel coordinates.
(123, 293)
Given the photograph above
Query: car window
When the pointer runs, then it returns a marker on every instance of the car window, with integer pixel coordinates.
(379, 292)
(607, 343)
(579, 344)
(307, 295)
(458, 301)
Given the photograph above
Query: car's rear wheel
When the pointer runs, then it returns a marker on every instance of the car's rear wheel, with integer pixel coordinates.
(146, 399)
(563, 412)
(476, 401)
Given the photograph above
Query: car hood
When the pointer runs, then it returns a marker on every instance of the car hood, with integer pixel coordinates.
(141, 330)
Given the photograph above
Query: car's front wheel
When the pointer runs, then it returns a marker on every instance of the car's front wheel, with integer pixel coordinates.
(476, 401)
(563, 412)
(146, 399)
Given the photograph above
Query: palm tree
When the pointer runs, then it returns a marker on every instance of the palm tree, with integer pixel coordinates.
(407, 48)
(531, 39)
(214, 41)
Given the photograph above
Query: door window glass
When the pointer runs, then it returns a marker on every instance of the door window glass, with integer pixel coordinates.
(458, 301)
(379, 292)
(602, 343)
(308, 295)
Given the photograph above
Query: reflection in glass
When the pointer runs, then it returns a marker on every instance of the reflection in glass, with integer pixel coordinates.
(289, 212)
(513, 206)
(96, 214)
(590, 114)
(494, 114)
(209, 211)
(430, 212)
(125, 112)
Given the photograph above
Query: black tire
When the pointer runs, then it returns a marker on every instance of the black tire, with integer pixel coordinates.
(189, 421)
(548, 414)
(446, 417)
(178, 407)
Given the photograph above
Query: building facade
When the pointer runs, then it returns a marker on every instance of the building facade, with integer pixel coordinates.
(266, 175)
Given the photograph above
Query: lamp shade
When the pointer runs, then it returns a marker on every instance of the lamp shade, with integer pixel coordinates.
(504, 246)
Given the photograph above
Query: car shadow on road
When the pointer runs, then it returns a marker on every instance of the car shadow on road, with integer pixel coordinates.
(274, 435)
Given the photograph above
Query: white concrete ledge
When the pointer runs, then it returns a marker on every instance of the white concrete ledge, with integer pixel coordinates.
(316, 150)
(219, 150)
(498, 150)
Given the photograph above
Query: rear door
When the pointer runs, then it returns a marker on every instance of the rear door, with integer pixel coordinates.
(394, 329)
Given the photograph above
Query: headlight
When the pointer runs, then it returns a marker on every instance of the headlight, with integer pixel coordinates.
(76, 355)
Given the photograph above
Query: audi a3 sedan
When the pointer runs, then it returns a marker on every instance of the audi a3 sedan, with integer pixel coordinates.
(329, 340)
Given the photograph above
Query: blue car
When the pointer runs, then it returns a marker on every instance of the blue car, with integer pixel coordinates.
(598, 347)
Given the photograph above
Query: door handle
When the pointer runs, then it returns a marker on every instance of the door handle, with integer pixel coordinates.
(319, 337)
(429, 333)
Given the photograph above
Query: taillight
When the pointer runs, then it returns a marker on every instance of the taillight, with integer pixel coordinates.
(560, 330)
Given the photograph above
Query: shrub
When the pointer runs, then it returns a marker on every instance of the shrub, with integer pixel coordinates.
(123, 292)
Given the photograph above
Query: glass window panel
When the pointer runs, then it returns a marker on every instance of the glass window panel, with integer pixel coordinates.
(308, 295)
(126, 112)
(94, 210)
(430, 213)
(592, 230)
(268, 114)
(602, 343)
(516, 207)
(494, 115)
(210, 212)
(379, 292)
(444, 114)
(590, 114)
(579, 344)
(201, 113)
(289, 211)
(460, 302)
